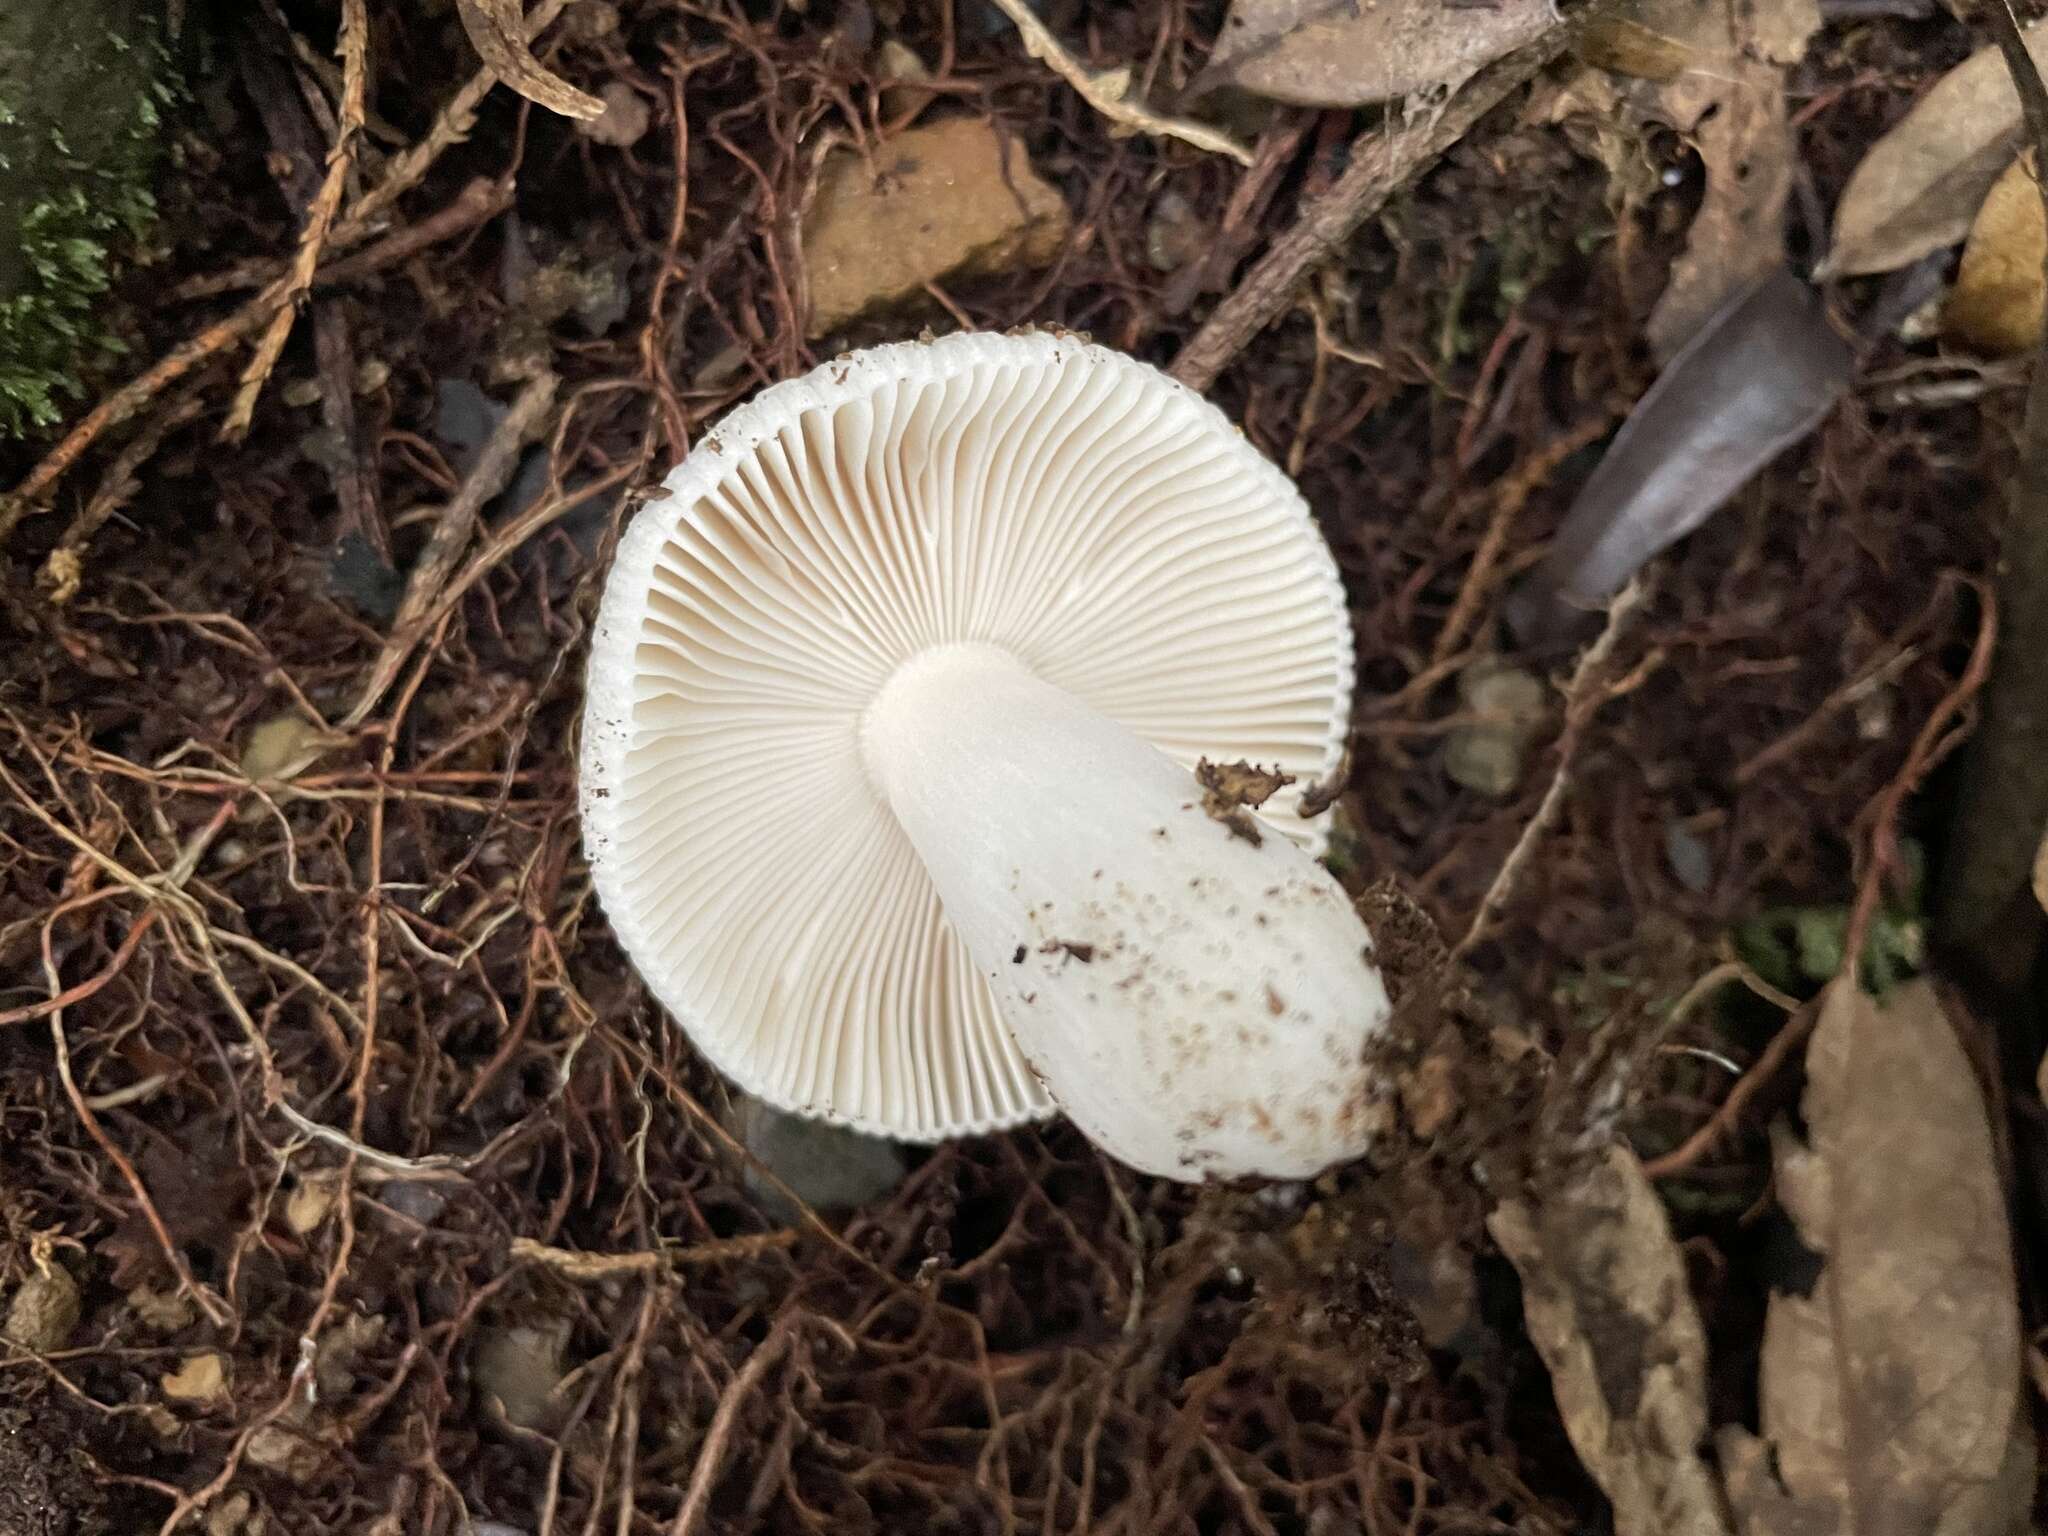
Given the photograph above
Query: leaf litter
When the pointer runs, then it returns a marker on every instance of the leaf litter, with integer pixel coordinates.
(1996, 304)
(1890, 1391)
(1919, 187)
(1012, 1335)
(1339, 53)
(1713, 71)
(1610, 1310)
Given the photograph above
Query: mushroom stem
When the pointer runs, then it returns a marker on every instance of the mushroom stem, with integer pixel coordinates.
(1197, 1002)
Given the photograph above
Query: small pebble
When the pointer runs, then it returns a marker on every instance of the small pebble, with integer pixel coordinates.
(1692, 863)
(827, 1166)
(1489, 755)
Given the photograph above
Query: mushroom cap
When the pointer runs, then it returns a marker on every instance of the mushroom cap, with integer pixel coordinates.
(1068, 504)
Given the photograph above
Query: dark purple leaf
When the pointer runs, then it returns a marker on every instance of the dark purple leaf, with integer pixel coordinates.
(1759, 377)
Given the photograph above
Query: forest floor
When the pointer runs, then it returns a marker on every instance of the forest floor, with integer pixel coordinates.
(359, 1183)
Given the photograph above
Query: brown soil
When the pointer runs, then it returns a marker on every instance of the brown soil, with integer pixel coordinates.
(44, 1489)
(400, 946)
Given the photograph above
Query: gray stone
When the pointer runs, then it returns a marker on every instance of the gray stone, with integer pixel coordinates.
(829, 1167)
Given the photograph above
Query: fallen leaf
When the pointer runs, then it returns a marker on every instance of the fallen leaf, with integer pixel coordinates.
(200, 1378)
(497, 30)
(1756, 379)
(1890, 1390)
(1996, 303)
(1728, 100)
(1621, 45)
(1344, 53)
(954, 198)
(1605, 1295)
(1919, 186)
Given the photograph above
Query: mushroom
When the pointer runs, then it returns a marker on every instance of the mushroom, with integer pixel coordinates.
(894, 705)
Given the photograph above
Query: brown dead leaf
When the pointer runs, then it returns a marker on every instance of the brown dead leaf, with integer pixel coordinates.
(1890, 1390)
(497, 30)
(1621, 45)
(1605, 1295)
(952, 198)
(1996, 304)
(1341, 53)
(1919, 186)
(1728, 99)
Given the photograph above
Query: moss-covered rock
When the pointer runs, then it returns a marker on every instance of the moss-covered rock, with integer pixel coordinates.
(82, 86)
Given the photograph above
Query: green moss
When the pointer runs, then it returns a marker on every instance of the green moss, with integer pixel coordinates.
(83, 84)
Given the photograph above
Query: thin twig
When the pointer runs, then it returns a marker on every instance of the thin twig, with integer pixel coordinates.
(125, 402)
(453, 529)
(355, 487)
(450, 127)
(438, 1166)
(1382, 163)
(1108, 91)
(1729, 1112)
(1933, 743)
(85, 989)
(575, 1264)
(215, 1309)
(1580, 704)
(480, 200)
(711, 1456)
(353, 46)
(497, 30)
(64, 568)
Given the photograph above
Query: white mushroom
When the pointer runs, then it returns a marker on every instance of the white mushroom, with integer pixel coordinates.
(892, 710)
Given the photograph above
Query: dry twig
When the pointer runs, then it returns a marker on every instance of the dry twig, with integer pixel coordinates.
(574, 1264)
(354, 47)
(1582, 699)
(1382, 162)
(479, 200)
(453, 529)
(498, 30)
(711, 1455)
(1108, 91)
